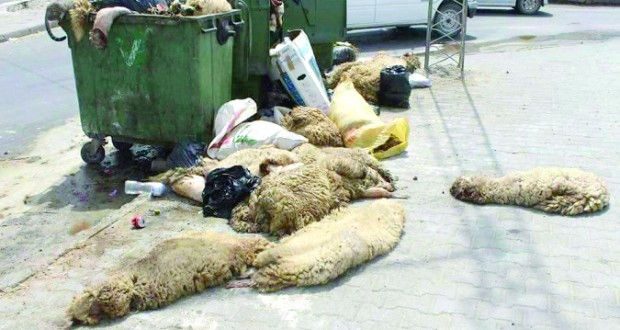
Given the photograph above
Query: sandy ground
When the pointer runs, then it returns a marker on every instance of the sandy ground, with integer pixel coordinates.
(48, 195)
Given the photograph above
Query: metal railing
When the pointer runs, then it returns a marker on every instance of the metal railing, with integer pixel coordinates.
(444, 39)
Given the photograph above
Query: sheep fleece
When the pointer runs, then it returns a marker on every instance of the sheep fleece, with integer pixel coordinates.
(325, 250)
(175, 268)
(331, 177)
(285, 202)
(566, 191)
(314, 125)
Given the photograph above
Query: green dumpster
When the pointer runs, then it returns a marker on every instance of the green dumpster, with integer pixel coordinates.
(324, 21)
(159, 81)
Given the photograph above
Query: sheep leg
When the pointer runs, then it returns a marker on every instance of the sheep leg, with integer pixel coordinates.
(376, 192)
(246, 283)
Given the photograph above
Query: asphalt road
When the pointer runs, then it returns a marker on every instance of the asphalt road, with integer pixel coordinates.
(499, 25)
(37, 89)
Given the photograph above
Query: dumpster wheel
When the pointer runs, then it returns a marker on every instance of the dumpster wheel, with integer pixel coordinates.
(92, 158)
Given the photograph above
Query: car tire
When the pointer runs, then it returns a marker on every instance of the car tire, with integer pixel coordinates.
(528, 7)
(448, 19)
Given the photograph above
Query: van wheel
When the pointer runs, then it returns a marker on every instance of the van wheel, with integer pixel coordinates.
(448, 19)
(528, 7)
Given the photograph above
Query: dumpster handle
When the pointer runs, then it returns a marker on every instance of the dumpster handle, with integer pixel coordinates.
(211, 27)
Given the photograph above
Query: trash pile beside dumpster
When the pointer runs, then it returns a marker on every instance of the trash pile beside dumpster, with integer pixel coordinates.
(261, 144)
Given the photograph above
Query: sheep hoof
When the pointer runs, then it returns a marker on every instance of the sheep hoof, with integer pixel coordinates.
(240, 284)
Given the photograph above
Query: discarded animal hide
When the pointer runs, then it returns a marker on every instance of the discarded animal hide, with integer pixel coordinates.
(565, 191)
(314, 125)
(287, 201)
(175, 268)
(325, 250)
(79, 17)
(208, 7)
(190, 182)
(56, 11)
(103, 22)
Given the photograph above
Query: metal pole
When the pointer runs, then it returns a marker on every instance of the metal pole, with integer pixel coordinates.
(429, 31)
(463, 33)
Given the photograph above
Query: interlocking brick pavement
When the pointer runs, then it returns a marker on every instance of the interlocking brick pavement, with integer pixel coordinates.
(458, 266)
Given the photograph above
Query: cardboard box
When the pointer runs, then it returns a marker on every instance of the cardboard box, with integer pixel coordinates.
(294, 64)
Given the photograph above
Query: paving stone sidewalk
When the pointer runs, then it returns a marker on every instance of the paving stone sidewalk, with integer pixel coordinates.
(458, 266)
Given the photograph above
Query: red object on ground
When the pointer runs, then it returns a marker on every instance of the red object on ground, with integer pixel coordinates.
(138, 222)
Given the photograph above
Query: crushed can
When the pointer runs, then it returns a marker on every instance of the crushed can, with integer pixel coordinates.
(138, 222)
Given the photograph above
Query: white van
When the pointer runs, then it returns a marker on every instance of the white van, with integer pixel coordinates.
(363, 14)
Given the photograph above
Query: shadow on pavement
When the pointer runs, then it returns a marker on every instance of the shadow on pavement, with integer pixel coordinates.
(509, 12)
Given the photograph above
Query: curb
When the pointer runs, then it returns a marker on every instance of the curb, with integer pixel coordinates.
(24, 32)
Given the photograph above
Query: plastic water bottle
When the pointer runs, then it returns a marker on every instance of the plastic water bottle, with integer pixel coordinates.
(153, 188)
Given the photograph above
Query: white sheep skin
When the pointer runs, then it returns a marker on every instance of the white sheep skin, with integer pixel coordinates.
(322, 251)
(566, 191)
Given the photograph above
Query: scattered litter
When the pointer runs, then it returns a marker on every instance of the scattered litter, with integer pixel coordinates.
(113, 193)
(138, 222)
(234, 135)
(394, 90)
(294, 64)
(417, 80)
(154, 188)
(155, 212)
(254, 135)
(225, 188)
(361, 127)
(415, 178)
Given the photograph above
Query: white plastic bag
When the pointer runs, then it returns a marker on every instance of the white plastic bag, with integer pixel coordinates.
(254, 135)
(231, 114)
(417, 80)
(234, 134)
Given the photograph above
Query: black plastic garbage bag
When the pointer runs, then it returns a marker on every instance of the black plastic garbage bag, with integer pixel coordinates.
(394, 90)
(225, 188)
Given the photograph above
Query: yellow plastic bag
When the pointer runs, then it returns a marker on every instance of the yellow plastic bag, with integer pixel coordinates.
(361, 127)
